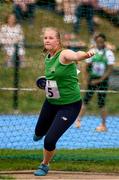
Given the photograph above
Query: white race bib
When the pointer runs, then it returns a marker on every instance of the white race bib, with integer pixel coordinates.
(98, 69)
(51, 89)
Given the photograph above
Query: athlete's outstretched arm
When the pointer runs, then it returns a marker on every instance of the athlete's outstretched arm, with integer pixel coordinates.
(69, 55)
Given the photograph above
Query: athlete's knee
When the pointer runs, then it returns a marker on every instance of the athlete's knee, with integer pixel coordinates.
(87, 99)
(49, 144)
(85, 103)
(101, 103)
(103, 109)
(37, 131)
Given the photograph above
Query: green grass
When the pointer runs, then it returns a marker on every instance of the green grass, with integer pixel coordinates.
(6, 177)
(89, 160)
(83, 166)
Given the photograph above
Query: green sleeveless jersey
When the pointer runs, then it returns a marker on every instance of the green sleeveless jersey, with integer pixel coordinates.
(98, 65)
(62, 82)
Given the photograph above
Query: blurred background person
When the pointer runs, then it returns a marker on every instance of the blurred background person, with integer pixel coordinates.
(69, 7)
(110, 9)
(59, 7)
(109, 6)
(85, 9)
(24, 10)
(97, 72)
(11, 33)
(48, 5)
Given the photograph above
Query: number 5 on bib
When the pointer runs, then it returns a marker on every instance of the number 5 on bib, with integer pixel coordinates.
(52, 89)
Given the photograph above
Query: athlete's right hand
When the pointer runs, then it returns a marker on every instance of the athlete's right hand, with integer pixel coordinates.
(90, 53)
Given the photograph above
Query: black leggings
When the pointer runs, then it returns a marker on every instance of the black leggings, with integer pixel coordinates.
(54, 120)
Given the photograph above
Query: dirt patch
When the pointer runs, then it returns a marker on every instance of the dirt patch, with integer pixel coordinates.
(54, 175)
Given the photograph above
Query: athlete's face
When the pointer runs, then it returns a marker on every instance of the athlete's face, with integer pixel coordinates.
(100, 42)
(51, 42)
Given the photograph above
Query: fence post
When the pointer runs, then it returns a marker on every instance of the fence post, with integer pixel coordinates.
(16, 79)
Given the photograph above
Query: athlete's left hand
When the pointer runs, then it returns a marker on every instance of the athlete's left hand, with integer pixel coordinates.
(94, 82)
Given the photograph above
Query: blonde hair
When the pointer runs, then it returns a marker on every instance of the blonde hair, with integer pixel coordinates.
(58, 36)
